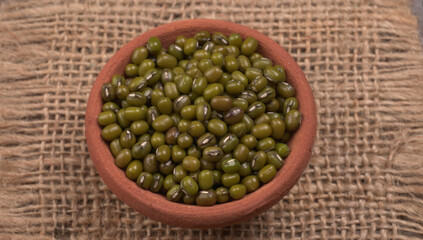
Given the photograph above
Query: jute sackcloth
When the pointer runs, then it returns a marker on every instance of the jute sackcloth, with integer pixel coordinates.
(362, 58)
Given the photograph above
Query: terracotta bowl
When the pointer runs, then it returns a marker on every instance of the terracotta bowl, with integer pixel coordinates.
(157, 206)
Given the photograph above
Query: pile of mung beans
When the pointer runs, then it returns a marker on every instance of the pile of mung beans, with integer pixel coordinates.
(204, 121)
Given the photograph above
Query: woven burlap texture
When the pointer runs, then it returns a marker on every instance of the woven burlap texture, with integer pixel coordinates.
(362, 58)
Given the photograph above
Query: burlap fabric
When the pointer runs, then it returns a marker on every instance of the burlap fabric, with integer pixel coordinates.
(363, 60)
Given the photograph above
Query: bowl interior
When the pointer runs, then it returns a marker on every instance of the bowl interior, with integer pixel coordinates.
(157, 206)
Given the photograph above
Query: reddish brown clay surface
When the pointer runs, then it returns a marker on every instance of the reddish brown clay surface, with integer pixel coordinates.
(157, 206)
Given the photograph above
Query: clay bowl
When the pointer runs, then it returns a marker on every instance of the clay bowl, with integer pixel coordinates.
(156, 206)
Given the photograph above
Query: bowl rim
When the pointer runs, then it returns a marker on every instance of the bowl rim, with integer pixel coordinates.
(156, 206)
